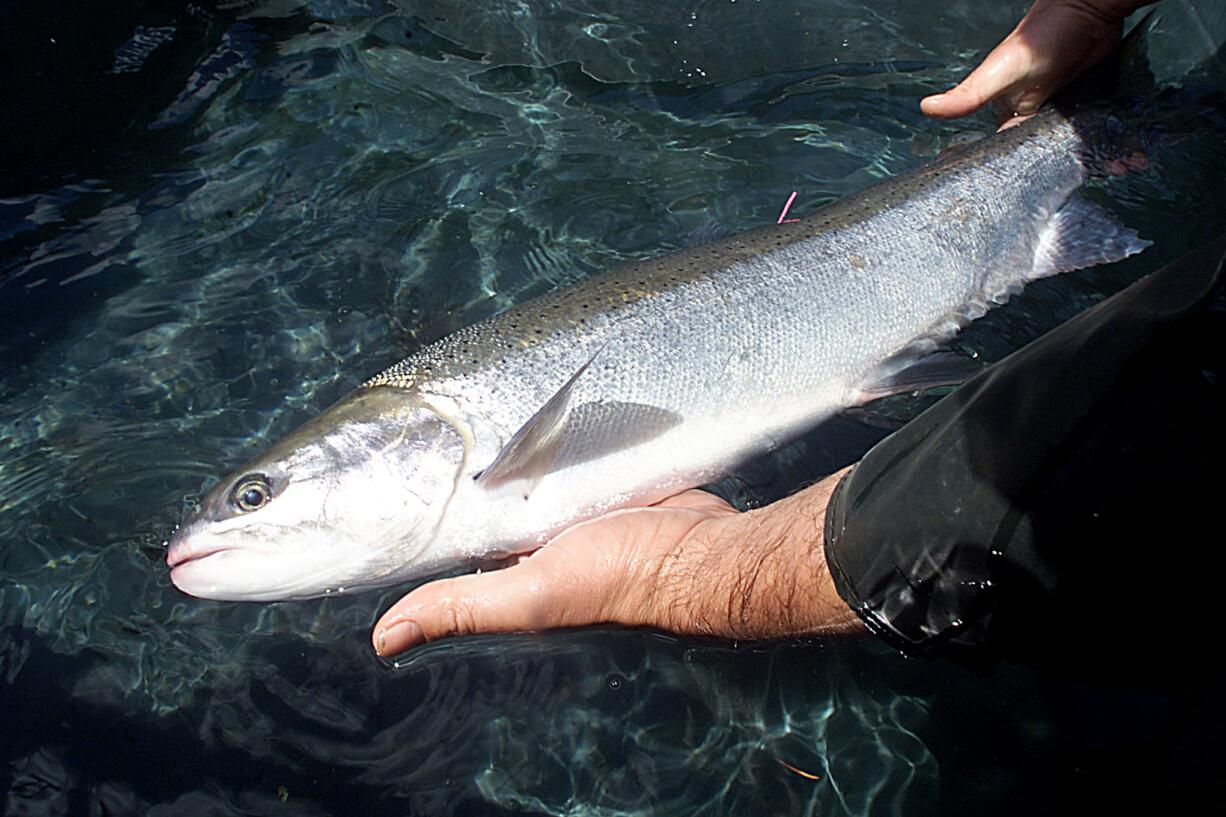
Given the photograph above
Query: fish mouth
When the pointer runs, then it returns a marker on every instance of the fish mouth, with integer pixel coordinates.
(181, 553)
(201, 574)
(194, 558)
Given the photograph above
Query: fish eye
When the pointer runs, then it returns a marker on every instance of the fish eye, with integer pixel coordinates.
(252, 493)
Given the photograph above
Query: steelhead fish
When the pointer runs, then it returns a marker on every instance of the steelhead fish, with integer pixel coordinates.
(657, 376)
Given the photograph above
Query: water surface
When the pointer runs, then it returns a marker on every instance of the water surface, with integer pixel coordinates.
(216, 219)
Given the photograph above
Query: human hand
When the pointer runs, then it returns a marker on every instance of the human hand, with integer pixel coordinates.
(691, 564)
(1054, 42)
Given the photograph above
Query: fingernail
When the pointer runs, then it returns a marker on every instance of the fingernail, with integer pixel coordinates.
(407, 630)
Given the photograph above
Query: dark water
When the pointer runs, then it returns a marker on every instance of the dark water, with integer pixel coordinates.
(216, 218)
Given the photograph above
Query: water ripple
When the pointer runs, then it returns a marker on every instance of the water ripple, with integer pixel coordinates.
(357, 177)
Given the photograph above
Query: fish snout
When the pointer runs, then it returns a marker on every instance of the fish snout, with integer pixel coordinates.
(184, 547)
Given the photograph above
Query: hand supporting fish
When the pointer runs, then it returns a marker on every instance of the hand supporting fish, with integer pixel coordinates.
(1050, 47)
(691, 565)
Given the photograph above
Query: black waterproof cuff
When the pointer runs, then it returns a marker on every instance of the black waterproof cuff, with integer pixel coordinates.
(1023, 510)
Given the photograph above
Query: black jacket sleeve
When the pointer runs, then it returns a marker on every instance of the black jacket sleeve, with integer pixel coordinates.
(1064, 504)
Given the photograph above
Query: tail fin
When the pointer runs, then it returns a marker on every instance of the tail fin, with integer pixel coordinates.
(1209, 28)
(1126, 120)
(1123, 72)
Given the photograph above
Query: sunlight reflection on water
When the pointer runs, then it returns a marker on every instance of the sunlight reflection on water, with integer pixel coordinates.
(339, 183)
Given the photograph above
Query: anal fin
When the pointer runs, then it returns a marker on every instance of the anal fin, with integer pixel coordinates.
(1081, 234)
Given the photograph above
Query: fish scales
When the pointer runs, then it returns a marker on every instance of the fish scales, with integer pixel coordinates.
(1041, 150)
(655, 377)
(777, 327)
(789, 313)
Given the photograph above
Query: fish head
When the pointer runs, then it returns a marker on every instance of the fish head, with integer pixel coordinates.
(349, 500)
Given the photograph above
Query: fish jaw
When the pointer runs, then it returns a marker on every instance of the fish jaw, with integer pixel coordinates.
(230, 563)
(215, 576)
(184, 548)
(243, 574)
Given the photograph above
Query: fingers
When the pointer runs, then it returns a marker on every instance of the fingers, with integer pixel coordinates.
(1054, 42)
(588, 574)
(1006, 67)
(594, 572)
(523, 597)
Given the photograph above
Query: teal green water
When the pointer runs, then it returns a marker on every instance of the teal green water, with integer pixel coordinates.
(216, 221)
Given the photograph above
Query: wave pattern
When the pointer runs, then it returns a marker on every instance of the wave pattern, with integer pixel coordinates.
(340, 181)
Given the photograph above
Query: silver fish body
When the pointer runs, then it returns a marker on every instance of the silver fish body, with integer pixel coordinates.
(652, 378)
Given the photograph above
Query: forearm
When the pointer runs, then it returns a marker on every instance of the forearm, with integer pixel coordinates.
(760, 574)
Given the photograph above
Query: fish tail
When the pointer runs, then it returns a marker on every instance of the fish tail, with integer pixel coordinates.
(1122, 75)
(1206, 85)
(1126, 120)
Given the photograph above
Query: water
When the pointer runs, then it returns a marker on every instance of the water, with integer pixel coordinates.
(218, 219)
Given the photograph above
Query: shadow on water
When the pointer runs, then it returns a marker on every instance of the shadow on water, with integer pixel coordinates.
(217, 218)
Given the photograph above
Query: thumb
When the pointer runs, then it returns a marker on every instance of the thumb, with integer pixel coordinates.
(1007, 65)
(517, 598)
(591, 573)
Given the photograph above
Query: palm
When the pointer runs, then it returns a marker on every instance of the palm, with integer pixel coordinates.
(597, 571)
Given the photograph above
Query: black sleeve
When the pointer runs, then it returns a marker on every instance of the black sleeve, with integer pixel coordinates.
(1065, 503)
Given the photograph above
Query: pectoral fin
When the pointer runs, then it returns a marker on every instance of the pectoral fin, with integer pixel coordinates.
(563, 434)
(532, 451)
